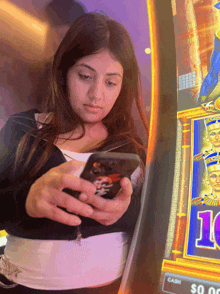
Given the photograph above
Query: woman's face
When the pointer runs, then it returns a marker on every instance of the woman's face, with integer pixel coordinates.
(94, 84)
(214, 137)
(214, 179)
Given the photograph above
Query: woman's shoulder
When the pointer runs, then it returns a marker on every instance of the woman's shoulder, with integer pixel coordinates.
(16, 125)
(24, 119)
(30, 117)
(26, 113)
(42, 118)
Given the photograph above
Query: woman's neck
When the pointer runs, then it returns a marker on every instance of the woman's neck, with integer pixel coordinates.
(98, 130)
(94, 135)
(93, 131)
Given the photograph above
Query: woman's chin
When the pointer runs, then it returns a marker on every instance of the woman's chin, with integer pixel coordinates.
(91, 119)
(91, 122)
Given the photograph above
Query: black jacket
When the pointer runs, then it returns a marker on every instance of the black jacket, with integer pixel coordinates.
(13, 216)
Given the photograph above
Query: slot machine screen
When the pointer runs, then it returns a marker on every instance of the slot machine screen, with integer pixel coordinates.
(191, 262)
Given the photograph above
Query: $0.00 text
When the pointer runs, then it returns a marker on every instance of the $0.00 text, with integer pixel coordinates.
(201, 289)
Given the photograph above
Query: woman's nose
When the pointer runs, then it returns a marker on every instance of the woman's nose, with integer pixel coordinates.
(96, 90)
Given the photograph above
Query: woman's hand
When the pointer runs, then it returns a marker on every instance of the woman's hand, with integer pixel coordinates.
(109, 211)
(46, 194)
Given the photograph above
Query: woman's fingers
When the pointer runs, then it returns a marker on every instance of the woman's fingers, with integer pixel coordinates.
(67, 201)
(105, 218)
(70, 166)
(60, 181)
(122, 198)
(109, 211)
(46, 195)
(46, 206)
(54, 213)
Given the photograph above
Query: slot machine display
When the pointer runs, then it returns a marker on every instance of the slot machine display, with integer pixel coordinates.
(191, 262)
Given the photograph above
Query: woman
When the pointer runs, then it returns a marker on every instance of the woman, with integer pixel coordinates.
(57, 243)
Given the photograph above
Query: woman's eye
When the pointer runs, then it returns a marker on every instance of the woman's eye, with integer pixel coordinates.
(85, 77)
(111, 84)
(213, 176)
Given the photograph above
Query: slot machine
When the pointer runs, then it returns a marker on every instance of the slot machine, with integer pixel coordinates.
(177, 245)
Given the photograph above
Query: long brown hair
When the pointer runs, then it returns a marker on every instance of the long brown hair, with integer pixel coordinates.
(89, 34)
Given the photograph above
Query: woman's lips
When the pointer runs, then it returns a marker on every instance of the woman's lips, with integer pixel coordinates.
(92, 108)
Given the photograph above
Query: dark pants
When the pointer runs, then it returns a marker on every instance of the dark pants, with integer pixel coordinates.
(110, 289)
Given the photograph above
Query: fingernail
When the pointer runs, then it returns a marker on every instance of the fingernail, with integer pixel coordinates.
(77, 222)
(83, 197)
(126, 180)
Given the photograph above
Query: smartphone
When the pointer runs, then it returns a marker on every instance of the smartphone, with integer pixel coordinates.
(105, 171)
